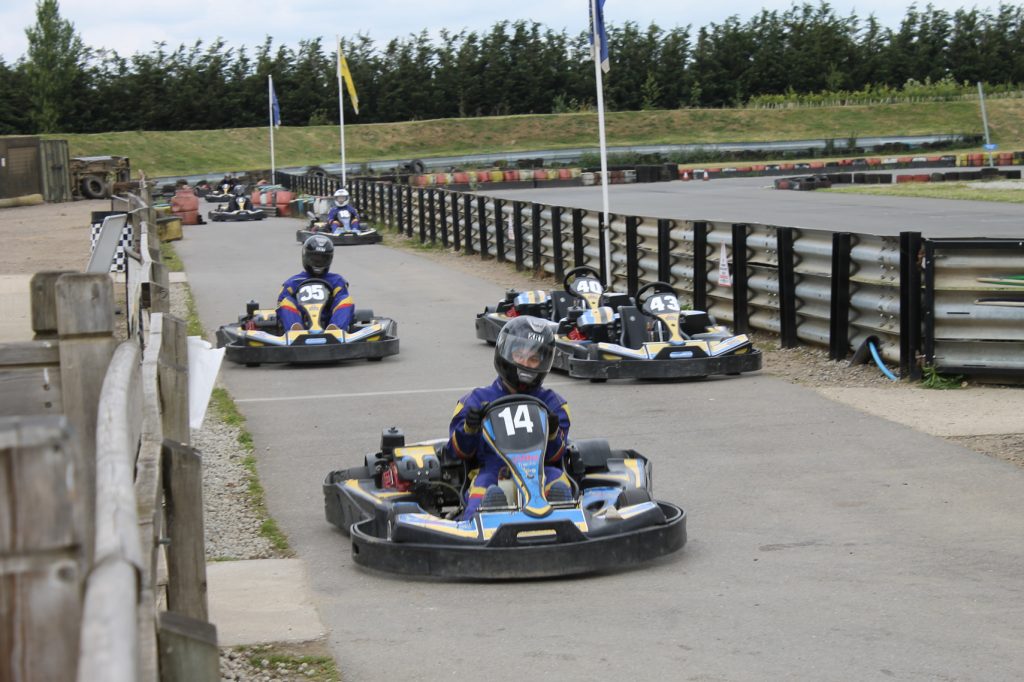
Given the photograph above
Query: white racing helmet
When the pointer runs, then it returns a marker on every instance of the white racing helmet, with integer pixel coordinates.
(341, 197)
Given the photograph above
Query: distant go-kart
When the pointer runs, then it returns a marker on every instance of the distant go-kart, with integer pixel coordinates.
(258, 337)
(610, 335)
(402, 508)
(347, 233)
(243, 211)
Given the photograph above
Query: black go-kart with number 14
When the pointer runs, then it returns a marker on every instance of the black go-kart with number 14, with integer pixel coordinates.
(402, 507)
(611, 335)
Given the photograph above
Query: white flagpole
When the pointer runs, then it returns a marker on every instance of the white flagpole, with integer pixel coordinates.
(270, 105)
(341, 117)
(606, 228)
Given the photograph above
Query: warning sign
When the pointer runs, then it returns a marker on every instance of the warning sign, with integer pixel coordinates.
(724, 278)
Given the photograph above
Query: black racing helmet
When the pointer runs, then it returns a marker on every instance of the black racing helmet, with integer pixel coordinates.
(317, 254)
(524, 352)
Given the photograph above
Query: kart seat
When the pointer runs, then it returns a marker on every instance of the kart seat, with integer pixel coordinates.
(561, 301)
(616, 299)
(634, 327)
(693, 322)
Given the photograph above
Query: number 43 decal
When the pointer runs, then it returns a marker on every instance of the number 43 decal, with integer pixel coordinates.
(521, 419)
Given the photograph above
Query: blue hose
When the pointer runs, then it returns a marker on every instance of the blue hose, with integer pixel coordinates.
(878, 361)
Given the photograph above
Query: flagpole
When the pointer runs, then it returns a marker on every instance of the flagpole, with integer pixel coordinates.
(270, 107)
(605, 227)
(341, 118)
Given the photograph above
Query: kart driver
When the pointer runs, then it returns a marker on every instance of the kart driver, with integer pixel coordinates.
(238, 200)
(343, 216)
(317, 254)
(523, 355)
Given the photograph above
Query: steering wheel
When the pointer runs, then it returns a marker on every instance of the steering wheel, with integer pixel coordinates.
(515, 398)
(326, 305)
(650, 289)
(577, 272)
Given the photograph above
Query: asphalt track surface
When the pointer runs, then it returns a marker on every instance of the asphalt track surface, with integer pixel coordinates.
(825, 543)
(754, 200)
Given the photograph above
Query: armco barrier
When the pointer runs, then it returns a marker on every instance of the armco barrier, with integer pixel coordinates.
(809, 286)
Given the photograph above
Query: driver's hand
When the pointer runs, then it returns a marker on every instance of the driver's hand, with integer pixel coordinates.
(474, 418)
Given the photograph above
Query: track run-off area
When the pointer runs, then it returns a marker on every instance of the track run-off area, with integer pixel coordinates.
(824, 543)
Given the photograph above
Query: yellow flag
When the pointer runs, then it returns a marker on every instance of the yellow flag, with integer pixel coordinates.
(346, 75)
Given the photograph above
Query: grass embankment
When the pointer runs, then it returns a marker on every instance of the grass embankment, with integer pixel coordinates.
(971, 191)
(198, 152)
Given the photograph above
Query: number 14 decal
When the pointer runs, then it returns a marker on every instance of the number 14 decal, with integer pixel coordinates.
(521, 419)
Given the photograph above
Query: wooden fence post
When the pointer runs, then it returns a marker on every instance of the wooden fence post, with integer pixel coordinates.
(43, 288)
(188, 649)
(183, 506)
(42, 540)
(85, 324)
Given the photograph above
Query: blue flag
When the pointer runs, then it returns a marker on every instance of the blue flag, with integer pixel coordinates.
(600, 46)
(275, 108)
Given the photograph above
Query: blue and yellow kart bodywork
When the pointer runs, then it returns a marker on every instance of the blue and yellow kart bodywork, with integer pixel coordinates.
(400, 510)
(257, 337)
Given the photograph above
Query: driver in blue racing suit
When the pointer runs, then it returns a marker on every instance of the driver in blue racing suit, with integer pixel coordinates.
(343, 216)
(523, 355)
(317, 254)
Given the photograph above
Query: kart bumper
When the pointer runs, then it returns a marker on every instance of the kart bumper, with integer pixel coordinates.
(346, 239)
(586, 368)
(488, 325)
(235, 217)
(247, 354)
(507, 558)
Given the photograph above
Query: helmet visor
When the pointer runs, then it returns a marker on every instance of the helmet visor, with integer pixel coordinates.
(527, 353)
(319, 260)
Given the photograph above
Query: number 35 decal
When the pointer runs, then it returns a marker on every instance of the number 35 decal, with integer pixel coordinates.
(312, 294)
(521, 419)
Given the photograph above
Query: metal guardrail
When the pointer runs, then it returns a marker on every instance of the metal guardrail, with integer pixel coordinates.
(821, 288)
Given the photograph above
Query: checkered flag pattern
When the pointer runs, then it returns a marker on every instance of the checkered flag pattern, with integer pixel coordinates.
(120, 262)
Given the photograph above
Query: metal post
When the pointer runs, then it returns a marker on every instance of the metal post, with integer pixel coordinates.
(664, 250)
(499, 230)
(537, 247)
(517, 232)
(481, 215)
(787, 288)
(910, 304)
(700, 266)
(578, 256)
(741, 316)
(467, 215)
(632, 257)
(556, 241)
(839, 318)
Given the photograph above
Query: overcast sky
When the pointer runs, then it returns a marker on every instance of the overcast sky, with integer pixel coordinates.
(130, 27)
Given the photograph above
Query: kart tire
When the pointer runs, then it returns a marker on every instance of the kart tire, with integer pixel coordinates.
(598, 380)
(93, 187)
(632, 496)
(374, 359)
(252, 364)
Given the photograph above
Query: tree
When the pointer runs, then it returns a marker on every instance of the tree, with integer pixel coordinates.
(56, 56)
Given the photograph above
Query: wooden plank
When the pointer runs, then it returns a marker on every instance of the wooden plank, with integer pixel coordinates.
(173, 380)
(30, 391)
(29, 353)
(41, 542)
(43, 289)
(85, 323)
(188, 649)
(186, 560)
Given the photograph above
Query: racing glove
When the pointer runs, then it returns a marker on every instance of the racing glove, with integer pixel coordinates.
(474, 418)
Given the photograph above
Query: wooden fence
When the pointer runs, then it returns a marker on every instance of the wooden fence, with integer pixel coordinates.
(102, 568)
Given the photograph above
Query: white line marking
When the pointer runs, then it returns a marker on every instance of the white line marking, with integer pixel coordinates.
(371, 394)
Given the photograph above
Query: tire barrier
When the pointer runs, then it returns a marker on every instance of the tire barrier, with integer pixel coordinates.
(1014, 158)
(810, 182)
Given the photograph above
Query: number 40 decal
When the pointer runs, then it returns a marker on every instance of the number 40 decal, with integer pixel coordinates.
(520, 420)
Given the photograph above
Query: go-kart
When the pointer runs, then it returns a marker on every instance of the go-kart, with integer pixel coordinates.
(402, 507)
(348, 233)
(237, 209)
(610, 335)
(258, 336)
(219, 195)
